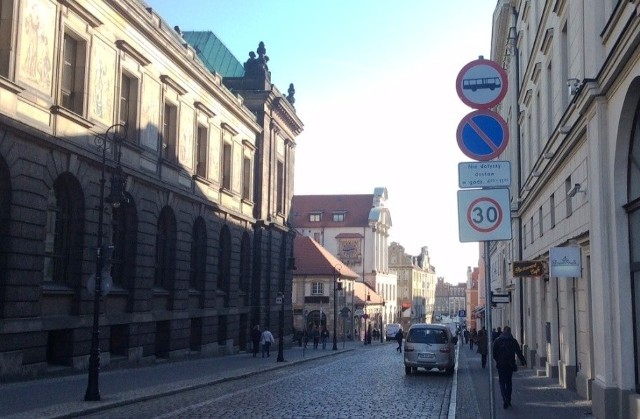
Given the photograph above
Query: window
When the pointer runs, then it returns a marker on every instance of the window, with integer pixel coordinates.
(315, 217)
(169, 132)
(317, 237)
(524, 234)
(552, 210)
(165, 249)
(567, 188)
(224, 265)
(540, 229)
(338, 216)
(64, 232)
(246, 179)
(226, 166)
(201, 150)
(125, 231)
(128, 105)
(198, 255)
(73, 68)
(280, 188)
(531, 225)
(6, 10)
(317, 288)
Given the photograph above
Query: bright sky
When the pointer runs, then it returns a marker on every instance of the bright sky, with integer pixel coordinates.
(375, 89)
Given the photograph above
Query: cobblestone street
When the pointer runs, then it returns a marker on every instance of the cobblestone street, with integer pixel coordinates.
(363, 383)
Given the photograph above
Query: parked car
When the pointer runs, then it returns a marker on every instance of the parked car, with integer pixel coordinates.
(392, 329)
(429, 346)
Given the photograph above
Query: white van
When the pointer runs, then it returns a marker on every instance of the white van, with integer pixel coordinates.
(392, 329)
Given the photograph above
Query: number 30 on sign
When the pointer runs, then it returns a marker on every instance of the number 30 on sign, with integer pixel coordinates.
(484, 214)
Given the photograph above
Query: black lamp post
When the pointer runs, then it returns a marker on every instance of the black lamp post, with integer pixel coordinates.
(115, 134)
(381, 327)
(280, 299)
(336, 269)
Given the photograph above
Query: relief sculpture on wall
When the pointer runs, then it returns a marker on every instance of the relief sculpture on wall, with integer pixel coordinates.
(36, 44)
(102, 82)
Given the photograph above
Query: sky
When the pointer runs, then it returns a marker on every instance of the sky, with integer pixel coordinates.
(375, 90)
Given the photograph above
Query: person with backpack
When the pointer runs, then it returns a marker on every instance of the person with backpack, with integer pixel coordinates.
(505, 349)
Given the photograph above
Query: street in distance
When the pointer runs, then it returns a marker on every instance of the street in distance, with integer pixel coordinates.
(492, 174)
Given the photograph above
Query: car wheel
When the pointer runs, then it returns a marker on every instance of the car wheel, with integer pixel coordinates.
(407, 370)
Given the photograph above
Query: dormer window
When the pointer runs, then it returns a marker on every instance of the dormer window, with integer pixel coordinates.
(315, 217)
(338, 216)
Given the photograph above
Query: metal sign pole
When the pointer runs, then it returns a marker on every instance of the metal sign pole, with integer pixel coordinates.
(487, 312)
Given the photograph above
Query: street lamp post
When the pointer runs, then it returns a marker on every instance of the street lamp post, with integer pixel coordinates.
(280, 299)
(336, 269)
(116, 133)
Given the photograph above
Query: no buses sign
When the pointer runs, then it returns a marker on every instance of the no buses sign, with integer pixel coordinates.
(484, 214)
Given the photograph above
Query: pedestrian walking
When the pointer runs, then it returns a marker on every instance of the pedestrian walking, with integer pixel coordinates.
(399, 336)
(315, 334)
(482, 342)
(505, 350)
(324, 337)
(266, 339)
(496, 333)
(305, 338)
(466, 336)
(472, 338)
(256, 334)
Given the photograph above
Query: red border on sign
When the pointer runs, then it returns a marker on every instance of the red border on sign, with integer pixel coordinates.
(501, 95)
(498, 221)
(497, 150)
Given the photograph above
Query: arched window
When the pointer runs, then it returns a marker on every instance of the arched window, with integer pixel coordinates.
(198, 255)
(125, 240)
(64, 232)
(633, 210)
(224, 264)
(165, 250)
(245, 266)
(5, 212)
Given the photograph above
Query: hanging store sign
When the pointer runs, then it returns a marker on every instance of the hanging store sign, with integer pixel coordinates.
(565, 261)
(524, 268)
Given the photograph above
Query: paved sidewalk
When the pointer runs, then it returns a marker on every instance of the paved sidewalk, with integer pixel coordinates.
(63, 397)
(533, 397)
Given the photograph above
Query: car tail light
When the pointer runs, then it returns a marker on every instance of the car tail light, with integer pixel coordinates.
(445, 350)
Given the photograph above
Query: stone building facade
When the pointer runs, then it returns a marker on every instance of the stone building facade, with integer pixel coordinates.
(572, 109)
(197, 249)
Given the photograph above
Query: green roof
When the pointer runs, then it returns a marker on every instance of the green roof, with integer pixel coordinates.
(214, 54)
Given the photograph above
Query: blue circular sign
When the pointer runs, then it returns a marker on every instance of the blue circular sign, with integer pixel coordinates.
(482, 135)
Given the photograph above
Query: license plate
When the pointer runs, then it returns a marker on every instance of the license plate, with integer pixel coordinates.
(428, 355)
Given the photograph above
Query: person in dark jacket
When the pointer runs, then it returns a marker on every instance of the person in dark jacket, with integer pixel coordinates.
(505, 350)
(399, 336)
(482, 341)
(255, 339)
(472, 338)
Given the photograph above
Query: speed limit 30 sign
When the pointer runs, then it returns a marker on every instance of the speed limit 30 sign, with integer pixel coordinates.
(484, 214)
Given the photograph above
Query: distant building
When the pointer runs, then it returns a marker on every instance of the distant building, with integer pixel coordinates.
(416, 285)
(450, 299)
(355, 229)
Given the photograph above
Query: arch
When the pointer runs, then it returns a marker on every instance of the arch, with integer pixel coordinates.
(224, 264)
(64, 240)
(165, 249)
(125, 241)
(633, 212)
(5, 219)
(315, 318)
(245, 265)
(198, 255)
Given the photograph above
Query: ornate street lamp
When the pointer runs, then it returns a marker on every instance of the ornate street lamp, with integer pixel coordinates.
(116, 134)
(336, 270)
(291, 266)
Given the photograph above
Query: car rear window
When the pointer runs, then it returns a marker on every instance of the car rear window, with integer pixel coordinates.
(427, 336)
